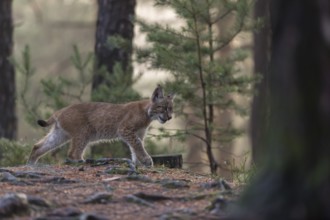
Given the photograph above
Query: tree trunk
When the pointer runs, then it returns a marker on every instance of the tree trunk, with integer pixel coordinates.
(8, 122)
(114, 19)
(261, 48)
(295, 182)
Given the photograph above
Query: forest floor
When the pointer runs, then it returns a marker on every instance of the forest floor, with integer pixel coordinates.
(111, 191)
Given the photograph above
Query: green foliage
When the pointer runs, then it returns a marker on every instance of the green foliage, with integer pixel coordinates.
(13, 153)
(120, 90)
(66, 90)
(54, 94)
(117, 85)
(205, 80)
(25, 72)
(242, 172)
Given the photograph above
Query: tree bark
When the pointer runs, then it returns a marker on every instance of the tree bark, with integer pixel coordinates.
(114, 19)
(260, 110)
(295, 182)
(8, 121)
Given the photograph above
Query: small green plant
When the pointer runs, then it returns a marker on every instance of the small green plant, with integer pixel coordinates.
(13, 152)
(242, 172)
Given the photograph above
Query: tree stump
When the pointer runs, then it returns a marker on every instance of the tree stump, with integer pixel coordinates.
(171, 160)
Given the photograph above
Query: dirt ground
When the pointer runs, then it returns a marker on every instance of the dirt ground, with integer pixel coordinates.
(110, 191)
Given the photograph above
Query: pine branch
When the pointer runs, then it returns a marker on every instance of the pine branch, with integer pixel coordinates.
(230, 39)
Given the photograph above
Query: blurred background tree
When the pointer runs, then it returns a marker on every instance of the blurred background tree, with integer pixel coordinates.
(261, 55)
(8, 121)
(295, 180)
(113, 73)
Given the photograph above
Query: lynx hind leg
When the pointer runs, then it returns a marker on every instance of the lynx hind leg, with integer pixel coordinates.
(77, 148)
(54, 139)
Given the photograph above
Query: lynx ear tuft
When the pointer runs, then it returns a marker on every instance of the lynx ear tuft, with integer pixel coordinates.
(42, 123)
(158, 94)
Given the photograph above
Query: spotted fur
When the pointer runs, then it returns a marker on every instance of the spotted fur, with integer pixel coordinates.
(88, 123)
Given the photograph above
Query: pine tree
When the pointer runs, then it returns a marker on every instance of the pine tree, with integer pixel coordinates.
(205, 82)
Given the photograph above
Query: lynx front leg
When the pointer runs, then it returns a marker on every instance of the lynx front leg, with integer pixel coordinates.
(136, 146)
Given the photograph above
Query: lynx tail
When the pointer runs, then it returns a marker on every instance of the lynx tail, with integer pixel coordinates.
(44, 123)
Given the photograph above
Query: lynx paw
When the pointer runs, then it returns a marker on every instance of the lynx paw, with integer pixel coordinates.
(31, 161)
(147, 161)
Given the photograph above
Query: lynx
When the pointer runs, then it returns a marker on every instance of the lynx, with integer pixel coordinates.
(87, 123)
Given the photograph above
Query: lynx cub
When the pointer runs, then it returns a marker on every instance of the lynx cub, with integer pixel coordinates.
(85, 123)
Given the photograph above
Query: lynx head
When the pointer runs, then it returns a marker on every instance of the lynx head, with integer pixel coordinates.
(161, 108)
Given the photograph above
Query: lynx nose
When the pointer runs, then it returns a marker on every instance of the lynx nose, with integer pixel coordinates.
(169, 117)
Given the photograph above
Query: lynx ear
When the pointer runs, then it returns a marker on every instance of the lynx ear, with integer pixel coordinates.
(158, 94)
